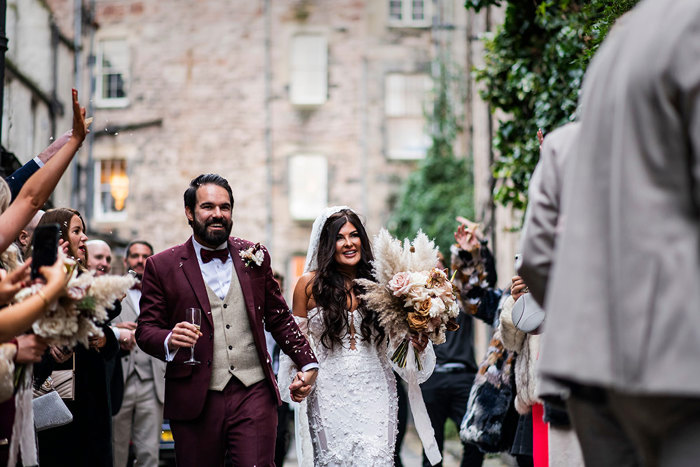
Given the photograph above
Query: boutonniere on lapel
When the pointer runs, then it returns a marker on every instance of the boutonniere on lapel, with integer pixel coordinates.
(254, 254)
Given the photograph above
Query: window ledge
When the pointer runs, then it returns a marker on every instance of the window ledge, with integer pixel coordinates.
(119, 103)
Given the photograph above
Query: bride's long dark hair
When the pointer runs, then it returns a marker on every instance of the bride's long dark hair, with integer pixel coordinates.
(329, 290)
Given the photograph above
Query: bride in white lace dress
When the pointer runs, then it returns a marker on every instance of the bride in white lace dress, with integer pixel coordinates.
(352, 410)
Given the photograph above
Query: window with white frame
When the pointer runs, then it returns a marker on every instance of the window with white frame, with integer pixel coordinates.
(405, 98)
(308, 186)
(409, 13)
(112, 73)
(308, 84)
(111, 189)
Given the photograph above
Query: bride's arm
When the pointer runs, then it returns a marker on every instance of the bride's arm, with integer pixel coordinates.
(300, 302)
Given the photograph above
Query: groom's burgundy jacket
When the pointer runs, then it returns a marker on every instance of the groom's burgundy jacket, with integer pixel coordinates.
(172, 282)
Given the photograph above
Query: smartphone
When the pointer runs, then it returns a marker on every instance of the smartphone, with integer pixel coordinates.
(516, 263)
(45, 245)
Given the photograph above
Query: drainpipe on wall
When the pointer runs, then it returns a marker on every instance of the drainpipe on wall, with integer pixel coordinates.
(268, 127)
(3, 49)
(90, 173)
(77, 32)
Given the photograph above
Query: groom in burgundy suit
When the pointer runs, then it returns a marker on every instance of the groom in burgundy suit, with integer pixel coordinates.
(229, 400)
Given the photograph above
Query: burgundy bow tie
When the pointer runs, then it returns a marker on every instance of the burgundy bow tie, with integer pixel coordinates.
(208, 255)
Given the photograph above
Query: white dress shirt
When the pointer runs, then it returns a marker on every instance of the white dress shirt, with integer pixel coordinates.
(216, 275)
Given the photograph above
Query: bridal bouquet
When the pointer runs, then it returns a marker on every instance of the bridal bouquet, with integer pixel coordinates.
(411, 295)
(75, 317)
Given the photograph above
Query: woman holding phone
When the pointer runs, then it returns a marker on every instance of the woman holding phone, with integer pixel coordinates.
(91, 409)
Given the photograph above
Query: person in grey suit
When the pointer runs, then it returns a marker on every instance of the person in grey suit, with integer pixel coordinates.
(141, 415)
(623, 327)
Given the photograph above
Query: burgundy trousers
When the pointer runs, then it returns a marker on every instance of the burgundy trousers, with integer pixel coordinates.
(241, 420)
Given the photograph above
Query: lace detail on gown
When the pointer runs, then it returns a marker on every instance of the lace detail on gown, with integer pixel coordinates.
(353, 407)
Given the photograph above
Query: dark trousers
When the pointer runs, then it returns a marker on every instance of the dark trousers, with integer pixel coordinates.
(284, 416)
(7, 419)
(617, 429)
(446, 396)
(241, 420)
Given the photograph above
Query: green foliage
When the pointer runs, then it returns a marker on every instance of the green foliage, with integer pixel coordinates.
(442, 186)
(534, 65)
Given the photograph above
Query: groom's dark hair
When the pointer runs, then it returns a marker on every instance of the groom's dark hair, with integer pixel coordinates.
(205, 179)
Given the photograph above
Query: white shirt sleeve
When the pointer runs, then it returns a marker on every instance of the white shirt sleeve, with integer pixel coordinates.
(169, 356)
(309, 366)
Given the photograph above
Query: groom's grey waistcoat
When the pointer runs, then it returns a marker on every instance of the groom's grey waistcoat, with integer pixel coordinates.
(234, 348)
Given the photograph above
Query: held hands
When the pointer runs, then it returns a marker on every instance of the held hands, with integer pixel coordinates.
(184, 335)
(302, 384)
(518, 287)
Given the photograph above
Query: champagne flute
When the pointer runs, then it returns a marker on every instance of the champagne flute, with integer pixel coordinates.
(193, 316)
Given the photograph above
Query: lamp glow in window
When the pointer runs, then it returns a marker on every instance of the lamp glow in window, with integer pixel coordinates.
(111, 190)
(119, 189)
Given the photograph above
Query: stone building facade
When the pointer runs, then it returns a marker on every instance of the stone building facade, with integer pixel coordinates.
(299, 104)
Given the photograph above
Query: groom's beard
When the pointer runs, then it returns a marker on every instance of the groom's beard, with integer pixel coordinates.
(212, 239)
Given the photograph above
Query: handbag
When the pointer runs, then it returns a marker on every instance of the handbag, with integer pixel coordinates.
(528, 316)
(490, 421)
(50, 411)
(60, 381)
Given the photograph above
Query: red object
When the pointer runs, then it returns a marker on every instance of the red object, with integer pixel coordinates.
(540, 437)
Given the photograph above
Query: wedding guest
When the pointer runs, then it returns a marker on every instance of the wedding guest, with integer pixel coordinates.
(623, 328)
(446, 393)
(92, 418)
(139, 420)
(24, 349)
(99, 262)
(99, 258)
(539, 235)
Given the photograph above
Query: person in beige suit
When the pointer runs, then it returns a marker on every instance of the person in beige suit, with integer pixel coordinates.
(623, 327)
(141, 415)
